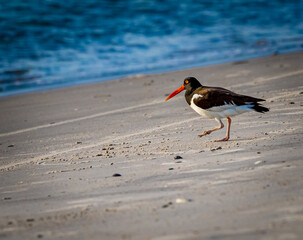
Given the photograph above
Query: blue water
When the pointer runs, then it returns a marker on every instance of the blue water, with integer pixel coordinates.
(53, 43)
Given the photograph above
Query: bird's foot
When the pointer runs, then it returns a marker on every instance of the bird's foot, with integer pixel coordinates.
(222, 140)
(205, 133)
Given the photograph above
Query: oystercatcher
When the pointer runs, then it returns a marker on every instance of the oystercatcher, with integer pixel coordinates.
(217, 103)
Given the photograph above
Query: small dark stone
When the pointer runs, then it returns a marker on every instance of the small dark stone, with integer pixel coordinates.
(214, 149)
(167, 205)
(178, 161)
(39, 236)
(78, 142)
(171, 168)
(117, 175)
(12, 145)
(6, 198)
(258, 152)
(30, 220)
(99, 155)
(291, 102)
(178, 157)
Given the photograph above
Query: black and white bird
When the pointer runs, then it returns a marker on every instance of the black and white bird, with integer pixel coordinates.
(217, 103)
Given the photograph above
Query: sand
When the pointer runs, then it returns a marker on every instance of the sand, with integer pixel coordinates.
(99, 161)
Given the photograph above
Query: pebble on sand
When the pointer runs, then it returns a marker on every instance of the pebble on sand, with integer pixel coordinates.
(167, 205)
(6, 198)
(178, 157)
(181, 200)
(117, 175)
(214, 149)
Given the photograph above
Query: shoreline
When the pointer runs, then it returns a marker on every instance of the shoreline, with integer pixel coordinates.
(98, 160)
(126, 76)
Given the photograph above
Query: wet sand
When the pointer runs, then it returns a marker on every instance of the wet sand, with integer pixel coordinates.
(99, 161)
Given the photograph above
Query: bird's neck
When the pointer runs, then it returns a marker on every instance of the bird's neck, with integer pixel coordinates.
(189, 94)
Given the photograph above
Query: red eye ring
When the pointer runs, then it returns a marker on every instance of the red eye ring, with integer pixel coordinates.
(186, 81)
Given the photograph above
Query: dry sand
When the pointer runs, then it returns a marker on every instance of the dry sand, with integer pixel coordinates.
(60, 149)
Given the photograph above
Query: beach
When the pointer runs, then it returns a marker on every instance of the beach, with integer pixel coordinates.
(113, 160)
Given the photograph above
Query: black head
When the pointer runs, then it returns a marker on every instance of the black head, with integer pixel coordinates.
(191, 83)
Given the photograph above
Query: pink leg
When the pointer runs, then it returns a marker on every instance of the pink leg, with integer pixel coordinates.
(214, 129)
(227, 132)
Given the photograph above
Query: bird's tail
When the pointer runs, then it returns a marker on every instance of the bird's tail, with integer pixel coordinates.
(259, 108)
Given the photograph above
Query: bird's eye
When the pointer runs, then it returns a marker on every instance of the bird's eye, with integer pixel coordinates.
(186, 81)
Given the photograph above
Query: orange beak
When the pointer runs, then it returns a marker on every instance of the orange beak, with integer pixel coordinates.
(180, 89)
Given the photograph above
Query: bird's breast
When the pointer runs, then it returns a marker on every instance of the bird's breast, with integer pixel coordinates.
(198, 109)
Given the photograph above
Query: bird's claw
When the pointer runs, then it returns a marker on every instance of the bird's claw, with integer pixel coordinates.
(205, 133)
(222, 140)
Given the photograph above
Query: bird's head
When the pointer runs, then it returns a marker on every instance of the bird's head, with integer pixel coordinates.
(190, 84)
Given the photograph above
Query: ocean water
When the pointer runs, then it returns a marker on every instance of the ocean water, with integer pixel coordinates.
(53, 43)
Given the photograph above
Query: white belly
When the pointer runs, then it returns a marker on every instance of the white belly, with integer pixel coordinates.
(227, 110)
